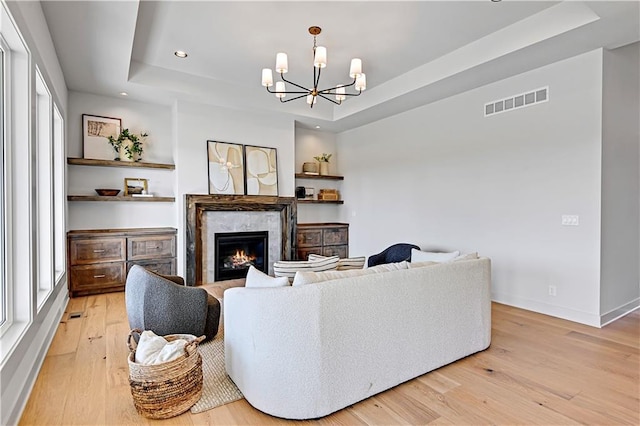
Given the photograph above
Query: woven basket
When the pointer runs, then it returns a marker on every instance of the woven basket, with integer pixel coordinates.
(169, 389)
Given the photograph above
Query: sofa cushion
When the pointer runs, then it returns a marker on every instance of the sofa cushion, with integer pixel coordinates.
(344, 263)
(424, 256)
(256, 278)
(414, 265)
(288, 268)
(386, 267)
(303, 278)
(466, 256)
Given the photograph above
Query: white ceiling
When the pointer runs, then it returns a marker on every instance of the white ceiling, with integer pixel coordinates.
(413, 52)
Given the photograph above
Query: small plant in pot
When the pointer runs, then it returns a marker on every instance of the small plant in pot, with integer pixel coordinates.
(323, 160)
(128, 145)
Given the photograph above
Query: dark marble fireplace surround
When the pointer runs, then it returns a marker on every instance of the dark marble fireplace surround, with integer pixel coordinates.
(198, 205)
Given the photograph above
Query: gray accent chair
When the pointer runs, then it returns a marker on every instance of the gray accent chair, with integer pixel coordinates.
(164, 305)
(395, 253)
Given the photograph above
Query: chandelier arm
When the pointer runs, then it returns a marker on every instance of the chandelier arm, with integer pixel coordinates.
(329, 99)
(293, 99)
(350, 94)
(328, 91)
(316, 80)
(286, 92)
(294, 84)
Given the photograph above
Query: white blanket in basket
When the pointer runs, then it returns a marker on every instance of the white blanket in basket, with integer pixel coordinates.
(153, 349)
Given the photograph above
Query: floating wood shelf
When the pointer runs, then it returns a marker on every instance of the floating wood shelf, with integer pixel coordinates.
(320, 201)
(113, 163)
(119, 198)
(327, 177)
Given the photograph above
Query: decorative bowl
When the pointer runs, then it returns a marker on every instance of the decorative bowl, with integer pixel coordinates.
(108, 192)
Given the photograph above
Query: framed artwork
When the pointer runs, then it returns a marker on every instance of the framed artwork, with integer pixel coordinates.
(262, 170)
(95, 130)
(226, 168)
(135, 186)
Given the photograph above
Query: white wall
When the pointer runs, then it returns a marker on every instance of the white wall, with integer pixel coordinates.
(309, 144)
(444, 177)
(138, 117)
(197, 123)
(620, 280)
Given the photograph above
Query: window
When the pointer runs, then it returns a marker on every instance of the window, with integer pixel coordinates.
(59, 202)
(44, 172)
(3, 219)
(32, 201)
(17, 190)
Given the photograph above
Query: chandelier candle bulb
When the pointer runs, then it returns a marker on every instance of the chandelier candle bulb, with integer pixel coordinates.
(356, 68)
(282, 63)
(340, 93)
(311, 99)
(267, 77)
(361, 82)
(320, 59)
(280, 89)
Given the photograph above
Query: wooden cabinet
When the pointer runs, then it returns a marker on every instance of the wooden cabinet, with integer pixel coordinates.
(99, 260)
(326, 239)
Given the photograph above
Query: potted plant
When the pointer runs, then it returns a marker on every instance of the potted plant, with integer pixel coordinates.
(323, 160)
(128, 145)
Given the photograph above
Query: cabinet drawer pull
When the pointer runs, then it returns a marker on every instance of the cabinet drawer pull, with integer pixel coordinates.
(98, 251)
(99, 276)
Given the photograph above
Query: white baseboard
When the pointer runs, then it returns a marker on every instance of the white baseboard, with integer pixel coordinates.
(29, 358)
(547, 309)
(619, 312)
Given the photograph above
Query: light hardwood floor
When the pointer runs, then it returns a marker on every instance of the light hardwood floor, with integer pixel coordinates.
(538, 370)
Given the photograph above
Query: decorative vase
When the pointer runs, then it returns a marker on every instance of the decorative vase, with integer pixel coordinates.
(324, 168)
(125, 149)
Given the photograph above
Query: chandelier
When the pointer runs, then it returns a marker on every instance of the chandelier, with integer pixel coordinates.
(319, 61)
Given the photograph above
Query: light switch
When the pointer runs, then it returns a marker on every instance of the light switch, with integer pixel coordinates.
(570, 220)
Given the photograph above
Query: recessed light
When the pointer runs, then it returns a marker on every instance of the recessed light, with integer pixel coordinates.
(123, 94)
(180, 54)
(317, 127)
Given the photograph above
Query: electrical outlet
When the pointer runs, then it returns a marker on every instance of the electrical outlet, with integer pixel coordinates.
(570, 220)
(552, 290)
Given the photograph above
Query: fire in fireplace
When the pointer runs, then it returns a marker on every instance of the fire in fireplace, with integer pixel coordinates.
(236, 251)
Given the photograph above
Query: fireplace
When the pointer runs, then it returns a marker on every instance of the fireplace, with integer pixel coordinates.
(236, 251)
(208, 215)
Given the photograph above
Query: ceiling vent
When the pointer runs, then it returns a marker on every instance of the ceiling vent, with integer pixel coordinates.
(517, 101)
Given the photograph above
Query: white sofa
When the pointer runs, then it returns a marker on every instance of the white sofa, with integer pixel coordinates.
(306, 351)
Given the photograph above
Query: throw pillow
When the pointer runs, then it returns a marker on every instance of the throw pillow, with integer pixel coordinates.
(257, 278)
(344, 264)
(424, 256)
(386, 267)
(288, 268)
(303, 278)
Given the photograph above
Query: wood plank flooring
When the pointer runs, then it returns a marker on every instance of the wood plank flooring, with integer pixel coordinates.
(538, 370)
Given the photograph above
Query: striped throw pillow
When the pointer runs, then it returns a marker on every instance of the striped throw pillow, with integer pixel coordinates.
(288, 268)
(345, 263)
(304, 278)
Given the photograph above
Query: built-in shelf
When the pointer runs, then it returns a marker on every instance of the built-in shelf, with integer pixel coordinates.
(113, 163)
(119, 198)
(320, 201)
(326, 177)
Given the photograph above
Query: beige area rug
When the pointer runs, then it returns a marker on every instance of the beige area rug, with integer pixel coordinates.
(217, 388)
